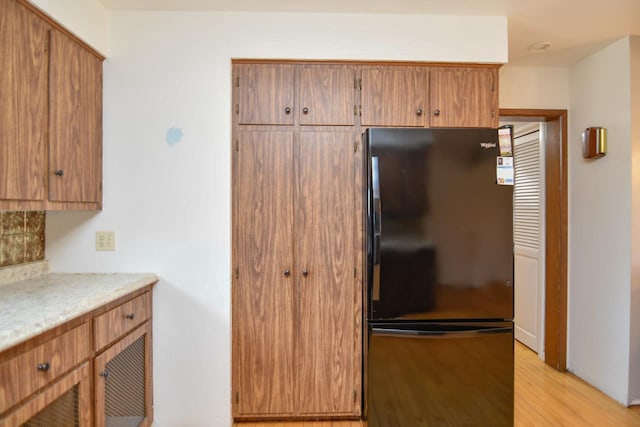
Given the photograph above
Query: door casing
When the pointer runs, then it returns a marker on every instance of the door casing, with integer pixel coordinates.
(556, 219)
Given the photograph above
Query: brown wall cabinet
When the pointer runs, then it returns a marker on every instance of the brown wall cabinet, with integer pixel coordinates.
(395, 96)
(267, 94)
(429, 96)
(50, 114)
(48, 380)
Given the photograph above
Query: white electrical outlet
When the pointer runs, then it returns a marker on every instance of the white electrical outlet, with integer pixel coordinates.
(105, 240)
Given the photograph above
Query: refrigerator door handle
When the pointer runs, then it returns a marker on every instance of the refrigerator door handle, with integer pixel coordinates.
(377, 227)
(469, 333)
(377, 213)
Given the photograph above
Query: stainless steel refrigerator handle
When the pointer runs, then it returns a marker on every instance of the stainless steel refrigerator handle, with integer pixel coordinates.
(377, 214)
(472, 333)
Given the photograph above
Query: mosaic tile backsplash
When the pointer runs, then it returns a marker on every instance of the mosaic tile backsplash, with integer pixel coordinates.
(21, 237)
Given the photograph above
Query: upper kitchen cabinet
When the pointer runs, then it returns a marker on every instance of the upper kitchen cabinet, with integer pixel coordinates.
(23, 104)
(327, 95)
(75, 111)
(464, 97)
(50, 114)
(265, 94)
(395, 96)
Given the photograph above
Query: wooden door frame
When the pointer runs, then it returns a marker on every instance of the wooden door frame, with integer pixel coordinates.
(556, 220)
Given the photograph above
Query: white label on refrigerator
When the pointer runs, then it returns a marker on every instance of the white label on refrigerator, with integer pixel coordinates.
(504, 170)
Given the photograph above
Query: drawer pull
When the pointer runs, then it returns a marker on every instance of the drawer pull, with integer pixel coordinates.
(130, 316)
(104, 373)
(44, 367)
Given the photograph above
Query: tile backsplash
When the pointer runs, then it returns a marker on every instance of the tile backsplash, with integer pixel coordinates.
(21, 237)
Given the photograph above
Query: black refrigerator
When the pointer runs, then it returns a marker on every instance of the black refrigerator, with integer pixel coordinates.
(439, 298)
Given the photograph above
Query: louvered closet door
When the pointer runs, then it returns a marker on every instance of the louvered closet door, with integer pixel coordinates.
(263, 303)
(527, 230)
(325, 225)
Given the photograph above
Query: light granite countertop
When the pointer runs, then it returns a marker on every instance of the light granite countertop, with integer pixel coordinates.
(36, 304)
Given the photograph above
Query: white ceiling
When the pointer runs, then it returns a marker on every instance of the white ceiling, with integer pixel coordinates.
(575, 28)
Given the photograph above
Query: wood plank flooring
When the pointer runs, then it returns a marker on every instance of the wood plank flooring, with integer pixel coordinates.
(544, 397)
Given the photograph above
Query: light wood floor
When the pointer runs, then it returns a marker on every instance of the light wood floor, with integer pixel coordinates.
(543, 398)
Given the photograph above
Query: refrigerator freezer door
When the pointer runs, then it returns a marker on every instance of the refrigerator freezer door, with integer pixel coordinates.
(440, 374)
(441, 229)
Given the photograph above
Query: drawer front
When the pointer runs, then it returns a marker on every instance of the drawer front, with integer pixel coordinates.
(117, 322)
(35, 368)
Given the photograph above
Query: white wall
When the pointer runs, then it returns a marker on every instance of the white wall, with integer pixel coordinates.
(170, 205)
(87, 19)
(534, 87)
(634, 351)
(600, 223)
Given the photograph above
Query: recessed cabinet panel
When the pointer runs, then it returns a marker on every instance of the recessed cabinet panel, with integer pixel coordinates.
(264, 293)
(395, 96)
(325, 222)
(265, 94)
(327, 95)
(23, 103)
(464, 98)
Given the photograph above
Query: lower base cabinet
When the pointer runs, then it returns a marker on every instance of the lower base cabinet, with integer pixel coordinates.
(123, 381)
(65, 403)
(84, 376)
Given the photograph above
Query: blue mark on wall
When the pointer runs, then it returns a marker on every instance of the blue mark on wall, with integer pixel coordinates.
(174, 135)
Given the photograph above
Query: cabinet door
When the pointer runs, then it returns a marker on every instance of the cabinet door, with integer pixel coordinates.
(329, 356)
(122, 379)
(265, 94)
(327, 95)
(263, 290)
(464, 98)
(75, 150)
(23, 103)
(394, 96)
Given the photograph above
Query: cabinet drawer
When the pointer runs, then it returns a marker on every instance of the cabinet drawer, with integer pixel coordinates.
(35, 368)
(116, 322)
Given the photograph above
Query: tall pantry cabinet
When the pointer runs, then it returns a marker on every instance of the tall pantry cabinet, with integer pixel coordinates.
(296, 287)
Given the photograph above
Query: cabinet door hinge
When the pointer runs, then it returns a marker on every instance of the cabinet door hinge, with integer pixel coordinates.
(355, 272)
(493, 84)
(46, 44)
(360, 110)
(355, 396)
(237, 81)
(355, 146)
(360, 84)
(237, 145)
(237, 273)
(237, 397)
(237, 108)
(355, 83)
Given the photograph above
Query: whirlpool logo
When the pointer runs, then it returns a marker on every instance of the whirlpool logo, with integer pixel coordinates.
(487, 145)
